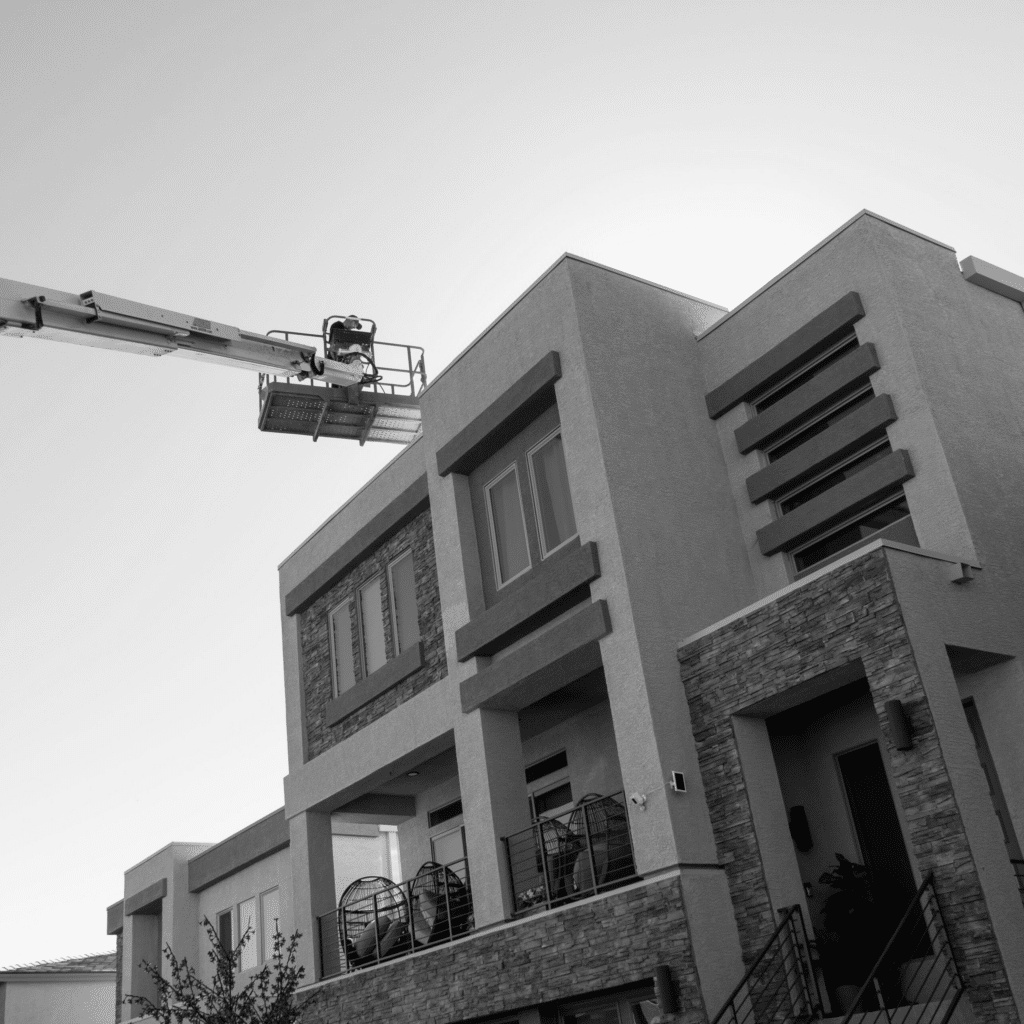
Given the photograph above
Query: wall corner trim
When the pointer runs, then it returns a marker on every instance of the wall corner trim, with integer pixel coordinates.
(413, 500)
(502, 419)
(803, 344)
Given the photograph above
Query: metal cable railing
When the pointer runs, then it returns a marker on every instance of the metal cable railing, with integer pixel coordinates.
(780, 985)
(575, 854)
(915, 979)
(388, 924)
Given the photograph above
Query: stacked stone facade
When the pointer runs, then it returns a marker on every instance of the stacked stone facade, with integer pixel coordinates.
(607, 941)
(849, 614)
(317, 678)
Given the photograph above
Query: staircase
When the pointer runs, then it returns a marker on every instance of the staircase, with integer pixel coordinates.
(914, 981)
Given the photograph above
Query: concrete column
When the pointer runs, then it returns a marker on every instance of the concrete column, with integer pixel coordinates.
(312, 863)
(495, 804)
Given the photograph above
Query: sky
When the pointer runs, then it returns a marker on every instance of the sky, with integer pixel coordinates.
(268, 164)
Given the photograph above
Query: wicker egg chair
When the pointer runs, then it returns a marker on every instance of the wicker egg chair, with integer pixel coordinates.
(603, 820)
(561, 847)
(373, 921)
(440, 904)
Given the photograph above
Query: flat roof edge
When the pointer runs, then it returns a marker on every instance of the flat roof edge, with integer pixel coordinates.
(814, 249)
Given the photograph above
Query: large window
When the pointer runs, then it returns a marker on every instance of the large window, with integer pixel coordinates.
(538, 516)
(362, 616)
(270, 914)
(247, 920)
(340, 625)
(550, 483)
(371, 622)
(405, 624)
(508, 527)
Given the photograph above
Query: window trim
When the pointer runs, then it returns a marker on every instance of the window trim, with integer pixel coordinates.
(253, 942)
(350, 603)
(393, 603)
(499, 584)
(545, 551)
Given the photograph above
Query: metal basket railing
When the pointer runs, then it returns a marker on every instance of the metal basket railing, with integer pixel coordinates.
(400, 369)
(575, 854)
(382, 926)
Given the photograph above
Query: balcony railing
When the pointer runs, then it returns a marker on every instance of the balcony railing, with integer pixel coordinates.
(1018, 870)
(390, 920)
(579, 853)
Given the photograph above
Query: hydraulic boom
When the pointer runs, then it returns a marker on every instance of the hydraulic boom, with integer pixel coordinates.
(349, 391)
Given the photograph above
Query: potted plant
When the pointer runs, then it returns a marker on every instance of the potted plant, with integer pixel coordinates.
(855, 931)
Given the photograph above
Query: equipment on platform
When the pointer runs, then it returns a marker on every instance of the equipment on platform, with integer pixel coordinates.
(351, 391)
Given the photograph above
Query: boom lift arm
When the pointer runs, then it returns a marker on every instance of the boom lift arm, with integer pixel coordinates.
(350, 392)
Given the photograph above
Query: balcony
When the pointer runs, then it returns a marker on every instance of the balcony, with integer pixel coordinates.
(572, 855)
(378, 920)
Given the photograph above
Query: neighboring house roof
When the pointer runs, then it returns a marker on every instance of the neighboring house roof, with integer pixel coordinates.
(97, 963)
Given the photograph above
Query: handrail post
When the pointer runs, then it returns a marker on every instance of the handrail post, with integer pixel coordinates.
(590, 846)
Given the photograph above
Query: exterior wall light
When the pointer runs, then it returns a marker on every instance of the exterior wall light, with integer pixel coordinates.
(899, 725)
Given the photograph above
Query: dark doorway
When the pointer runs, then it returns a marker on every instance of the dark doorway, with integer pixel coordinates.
(874, 818)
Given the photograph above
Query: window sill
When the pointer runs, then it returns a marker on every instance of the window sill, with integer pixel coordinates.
(555, 585)
(374, 685)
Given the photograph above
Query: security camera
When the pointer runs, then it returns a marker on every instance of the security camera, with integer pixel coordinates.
(638, 799)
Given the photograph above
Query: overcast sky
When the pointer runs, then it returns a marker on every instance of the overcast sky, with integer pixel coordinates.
(266, 164)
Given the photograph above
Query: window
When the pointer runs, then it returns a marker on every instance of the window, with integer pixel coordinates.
(247, 920)
(556, 523)
(507, 527)
(546, 766)
(224, 929)
(448, 847)
(552, 801)
(405, 625)
(825, 481)
(371, 622)
(442, 814)
(343, 666)
(270, 913)
(893, 516)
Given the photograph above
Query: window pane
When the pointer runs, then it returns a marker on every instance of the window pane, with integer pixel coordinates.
(372, 614)
(224, 929)
(403, 603)
(554, 505)
(270, 913)
(448, 848)
(341, 646)
(247, 919)
(508, 527)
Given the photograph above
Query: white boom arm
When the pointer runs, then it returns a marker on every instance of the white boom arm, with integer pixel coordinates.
(105, 321)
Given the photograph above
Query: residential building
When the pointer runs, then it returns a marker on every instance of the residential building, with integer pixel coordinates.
(668, 610)
(77, 990)
(242, 883)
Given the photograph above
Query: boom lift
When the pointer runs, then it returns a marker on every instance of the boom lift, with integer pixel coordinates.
(349, 391)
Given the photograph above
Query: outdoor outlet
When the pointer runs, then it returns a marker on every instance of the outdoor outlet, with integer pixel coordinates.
(678, 783)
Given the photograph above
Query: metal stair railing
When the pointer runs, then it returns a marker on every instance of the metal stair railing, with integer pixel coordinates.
(780, 985)
(915, 979)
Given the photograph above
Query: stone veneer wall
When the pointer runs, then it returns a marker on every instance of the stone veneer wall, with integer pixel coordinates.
(613, 940)
(847, 614)
(316, 649)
